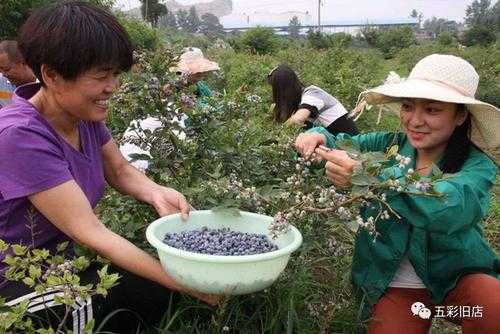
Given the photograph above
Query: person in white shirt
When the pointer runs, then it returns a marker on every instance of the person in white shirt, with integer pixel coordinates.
(192, 66)
(311, 105)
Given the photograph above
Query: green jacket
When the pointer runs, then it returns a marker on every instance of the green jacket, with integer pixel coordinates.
(203, 92)
(443, 236)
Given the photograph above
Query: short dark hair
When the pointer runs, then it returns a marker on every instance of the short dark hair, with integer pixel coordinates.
(287, 92)
(10, 48)
(72, 37)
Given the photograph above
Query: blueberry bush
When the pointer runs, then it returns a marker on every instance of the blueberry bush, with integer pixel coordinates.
(234, 156)
(230, 154)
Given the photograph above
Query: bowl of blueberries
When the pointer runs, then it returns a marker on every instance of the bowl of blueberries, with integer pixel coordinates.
(222, 253)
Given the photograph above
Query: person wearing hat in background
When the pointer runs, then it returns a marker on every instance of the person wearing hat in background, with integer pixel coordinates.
(435, 257)
(191, 68)
(295, 104)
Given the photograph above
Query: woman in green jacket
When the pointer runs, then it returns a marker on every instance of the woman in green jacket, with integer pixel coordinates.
(434, 261)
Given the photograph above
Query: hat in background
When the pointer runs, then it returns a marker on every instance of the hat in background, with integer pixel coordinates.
(193, 61)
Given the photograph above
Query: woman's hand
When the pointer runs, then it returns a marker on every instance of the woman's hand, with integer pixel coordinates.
(339, 166)
(210, 299)
(298, 118)
(307, 142)
(167, 201)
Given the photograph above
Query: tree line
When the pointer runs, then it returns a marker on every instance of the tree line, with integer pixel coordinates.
(188, 20)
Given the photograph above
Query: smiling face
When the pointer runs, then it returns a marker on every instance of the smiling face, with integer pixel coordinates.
(87, 96)
(429, 124)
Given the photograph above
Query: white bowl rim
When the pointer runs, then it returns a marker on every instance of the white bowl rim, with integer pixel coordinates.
(159, 245)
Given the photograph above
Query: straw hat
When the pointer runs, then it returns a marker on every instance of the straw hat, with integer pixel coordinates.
(192, 61)
(443, 78)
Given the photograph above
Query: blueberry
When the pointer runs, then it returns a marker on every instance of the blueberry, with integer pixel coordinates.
(220, 241)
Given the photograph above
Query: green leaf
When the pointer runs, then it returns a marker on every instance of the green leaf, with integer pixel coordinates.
(393, 151)
(349, 146)
(53, 280)
(139, 156)
(374, 157)
(35, 272)
(271, 108)
(45, 331)
(101, 291)
(353, 225)
(89, 327)
(364, 180)
(103, 271)
(358, 170)
(81, 263)
(29, 281)
(19, 250)
(10, 260)
(3, 246)
(373, 169)
(40, 254)
(359, 190)
(109, 280)
(62, 246)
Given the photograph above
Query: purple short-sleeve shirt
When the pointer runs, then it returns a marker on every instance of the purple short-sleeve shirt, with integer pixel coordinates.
(34, 158)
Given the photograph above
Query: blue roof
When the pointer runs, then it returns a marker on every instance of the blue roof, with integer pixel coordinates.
(361, 22)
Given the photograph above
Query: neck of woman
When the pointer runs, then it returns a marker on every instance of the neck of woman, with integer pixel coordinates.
(425, 159)
(48, 106)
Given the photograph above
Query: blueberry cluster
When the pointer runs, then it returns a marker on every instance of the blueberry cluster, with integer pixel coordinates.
(220, 242)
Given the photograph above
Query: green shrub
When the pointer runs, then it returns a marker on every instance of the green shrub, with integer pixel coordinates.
(141, 34)
(409, 57)
(446, 38)
(341, 39)
(181, 39)
(481, 35)
(395, 39)
(318, 40)
(259, 40)
(370, 35)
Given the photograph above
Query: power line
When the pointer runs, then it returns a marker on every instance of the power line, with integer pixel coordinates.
(319, 15)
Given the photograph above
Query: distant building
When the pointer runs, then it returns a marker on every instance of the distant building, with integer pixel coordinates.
(328, 26)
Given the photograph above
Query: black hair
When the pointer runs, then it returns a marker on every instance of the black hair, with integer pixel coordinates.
(458, 148)
(72, 37)
(287, 92)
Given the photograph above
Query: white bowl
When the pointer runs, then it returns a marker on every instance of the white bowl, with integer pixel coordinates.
(218, 274)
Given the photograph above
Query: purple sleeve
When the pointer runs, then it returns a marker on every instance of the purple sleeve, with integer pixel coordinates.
(35, 162)
(103, 133)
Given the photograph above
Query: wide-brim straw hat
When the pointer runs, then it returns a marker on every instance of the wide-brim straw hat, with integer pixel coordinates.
(193, 61)
(443, 78)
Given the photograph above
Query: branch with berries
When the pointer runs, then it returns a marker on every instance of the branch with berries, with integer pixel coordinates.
(368, 190)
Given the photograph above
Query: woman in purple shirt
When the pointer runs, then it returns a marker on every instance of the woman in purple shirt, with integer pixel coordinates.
(57, 153)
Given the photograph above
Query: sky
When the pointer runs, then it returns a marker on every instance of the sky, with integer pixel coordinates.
(337, 10)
